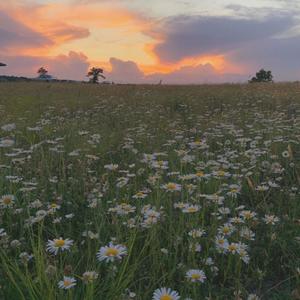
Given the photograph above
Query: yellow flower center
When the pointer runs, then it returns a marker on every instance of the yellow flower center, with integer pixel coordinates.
(166, 297)
(171, 186)
(226, 230)
(195, 276)
(112, 252)
(53, 205)
(67, 282)
(247, 215)
(140, 194)
(221, 173)
(232, 247)
(200, 174)
(192, 209)
(7, 200)
(160, 163)
(233, 190)
(59, 243)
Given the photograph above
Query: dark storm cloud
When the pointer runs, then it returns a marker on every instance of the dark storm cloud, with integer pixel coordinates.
(16, 34)
(187, 36)
(281, 55)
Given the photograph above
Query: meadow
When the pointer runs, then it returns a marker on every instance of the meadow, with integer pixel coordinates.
(149, 192)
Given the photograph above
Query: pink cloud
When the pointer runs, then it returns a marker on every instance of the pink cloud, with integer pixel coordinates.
(72, 66)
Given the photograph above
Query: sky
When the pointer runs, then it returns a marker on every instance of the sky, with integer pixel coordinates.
(145, 41)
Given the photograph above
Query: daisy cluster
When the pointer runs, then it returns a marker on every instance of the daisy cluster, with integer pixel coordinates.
(131, 193)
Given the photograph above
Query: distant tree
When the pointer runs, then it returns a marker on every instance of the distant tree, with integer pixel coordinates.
(42, 72)
(2, 64)
(94, 74)
(262, 76)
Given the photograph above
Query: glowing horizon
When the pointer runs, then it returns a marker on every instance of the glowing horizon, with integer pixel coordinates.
(170, 39)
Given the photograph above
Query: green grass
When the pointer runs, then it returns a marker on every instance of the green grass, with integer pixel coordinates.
(249, 132)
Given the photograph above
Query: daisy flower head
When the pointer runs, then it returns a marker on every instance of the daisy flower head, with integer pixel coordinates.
(67, 283)
(165, 294)
(271, 219)
(195, 275)
(139, 195)
(111, 252)
(7, 201)
(111, 167)
(56, 245)
(89, 276)
(172, 187)
(188, 209)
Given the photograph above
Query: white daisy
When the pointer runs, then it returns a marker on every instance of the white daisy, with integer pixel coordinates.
(171, 187)
(195, 275)
(111, 252)
(7, 201)
(59, 245)
(89, 276)
(165, 294)
(67, 283)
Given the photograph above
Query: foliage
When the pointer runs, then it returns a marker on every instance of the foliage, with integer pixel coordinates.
(94, 74)
(262, 76)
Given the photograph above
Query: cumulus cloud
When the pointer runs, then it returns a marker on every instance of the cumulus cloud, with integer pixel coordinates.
(125, 71)
(72, 66)
(129, 72)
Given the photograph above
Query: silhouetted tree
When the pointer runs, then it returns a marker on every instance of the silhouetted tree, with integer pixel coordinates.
(262, 76)
(42, 72)
(2, 64)
(94, 75)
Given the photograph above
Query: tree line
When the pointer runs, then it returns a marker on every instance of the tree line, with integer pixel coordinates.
(95, 73)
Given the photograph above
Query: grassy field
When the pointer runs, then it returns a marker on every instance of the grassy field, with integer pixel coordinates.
(115, 192)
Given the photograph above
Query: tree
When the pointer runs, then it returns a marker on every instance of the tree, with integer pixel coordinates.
(2, 64)
(42, 72)
(94, 75)
(262, 76)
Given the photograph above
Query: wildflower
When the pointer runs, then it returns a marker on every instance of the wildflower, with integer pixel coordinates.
(195, 275)
(123, 209)
(140, 195)
(226, 229)
(5, 143)
(67, 283)
(111, 167)
(262, 188)
(271, 219)
(7, 201)
(221, 243)
(9, 127)
(196, 233)
(160, 164)
(285, 154)
(247, 214)
(247, 233)
(59, 245)
(89, 276)
(191, 209)
(111, 252)
(165, 294)
(233, 248)
(172, 187)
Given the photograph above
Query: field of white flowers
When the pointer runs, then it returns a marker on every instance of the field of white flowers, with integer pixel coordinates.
(149, 192)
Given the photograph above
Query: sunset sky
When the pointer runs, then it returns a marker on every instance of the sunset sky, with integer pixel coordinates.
(188, 41)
